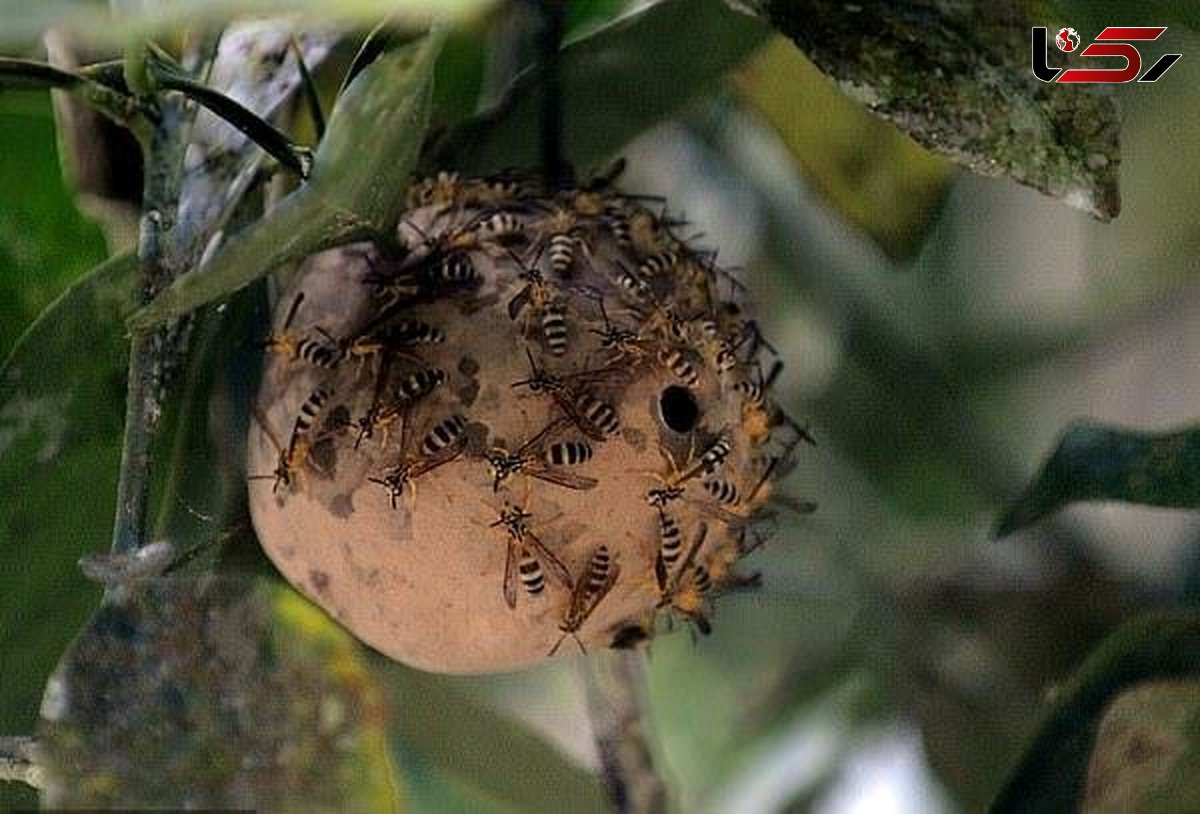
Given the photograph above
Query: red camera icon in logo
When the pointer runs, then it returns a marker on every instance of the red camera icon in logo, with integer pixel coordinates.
(1113, 41)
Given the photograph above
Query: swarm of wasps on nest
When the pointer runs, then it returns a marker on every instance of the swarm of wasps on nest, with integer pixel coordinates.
(536, 422)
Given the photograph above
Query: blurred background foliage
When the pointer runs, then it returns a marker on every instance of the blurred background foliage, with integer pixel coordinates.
(940, 330)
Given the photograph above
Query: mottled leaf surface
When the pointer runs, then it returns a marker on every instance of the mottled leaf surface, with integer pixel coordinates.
(617, 82)
(355, 191)
(1156, 648)
(1097, 462)
(218, 692)
(956, 77)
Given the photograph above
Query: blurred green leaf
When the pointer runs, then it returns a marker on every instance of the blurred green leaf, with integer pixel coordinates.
(212, 693)
(1090, 16)
(477, 749)
(955, 77)
(93, 22)
(45, 243)
(356, 190)
(1051, 776)
(1095, 462)
(199, 488)
(875, 176)
(617, 82)
(61, 417)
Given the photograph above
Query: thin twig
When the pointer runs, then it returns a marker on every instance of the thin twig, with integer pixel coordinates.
(17, 763)
(615, 686)
(163, 156)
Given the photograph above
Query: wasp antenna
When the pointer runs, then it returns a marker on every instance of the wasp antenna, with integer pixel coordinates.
(770, 378)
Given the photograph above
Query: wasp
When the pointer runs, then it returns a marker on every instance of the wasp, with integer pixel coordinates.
(439, 447)
(593, 416)
(313, 351)
(446, 259)
(634, 284)
(723, 491)
(687, 593)
(530, 459)
(448, 189)
(670, 543)
(568, 453)
(659, 263)
(410, 389)
(596, 583)
(525, 548)
(674, 487)
(562, 240)
(383, 337)
(623, 343)
(678, 363)
(545, 305)
(296, 454)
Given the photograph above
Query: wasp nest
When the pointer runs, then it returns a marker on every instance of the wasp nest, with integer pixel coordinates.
(535, 424)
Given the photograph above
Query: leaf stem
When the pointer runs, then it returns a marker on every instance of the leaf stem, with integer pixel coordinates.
(111, 101)
(17, 762)
(261, 132)
(615, 688)
(554, 167)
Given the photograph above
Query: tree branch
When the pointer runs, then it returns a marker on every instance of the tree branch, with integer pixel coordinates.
(163, 151)
(614, 684)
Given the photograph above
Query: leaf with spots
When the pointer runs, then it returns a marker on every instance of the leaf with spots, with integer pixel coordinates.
(1096, 462)
(956, 77)
(1143, 685)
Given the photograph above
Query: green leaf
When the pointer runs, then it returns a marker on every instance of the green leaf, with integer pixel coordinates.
(45, 244)
(478, 749)
(1096, 462)
(218, 692)
(616, 82)
(356, 190)
(61, 417)
(955, 77)
(1157, 652)
(92, 22)
(199, 490)
(1090, 16)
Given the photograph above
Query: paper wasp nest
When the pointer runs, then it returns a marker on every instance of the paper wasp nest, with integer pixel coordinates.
(535, 424)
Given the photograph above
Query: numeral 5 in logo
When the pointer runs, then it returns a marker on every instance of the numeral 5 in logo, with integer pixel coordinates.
(1113, 41)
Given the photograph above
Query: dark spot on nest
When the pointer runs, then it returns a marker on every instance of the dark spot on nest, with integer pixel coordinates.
(342, 506)
(320, 581)
(476, 434)
(678, 409)
(468, 392)
(324, 457)
(338, 418)
(468, 366)
(634, 437)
